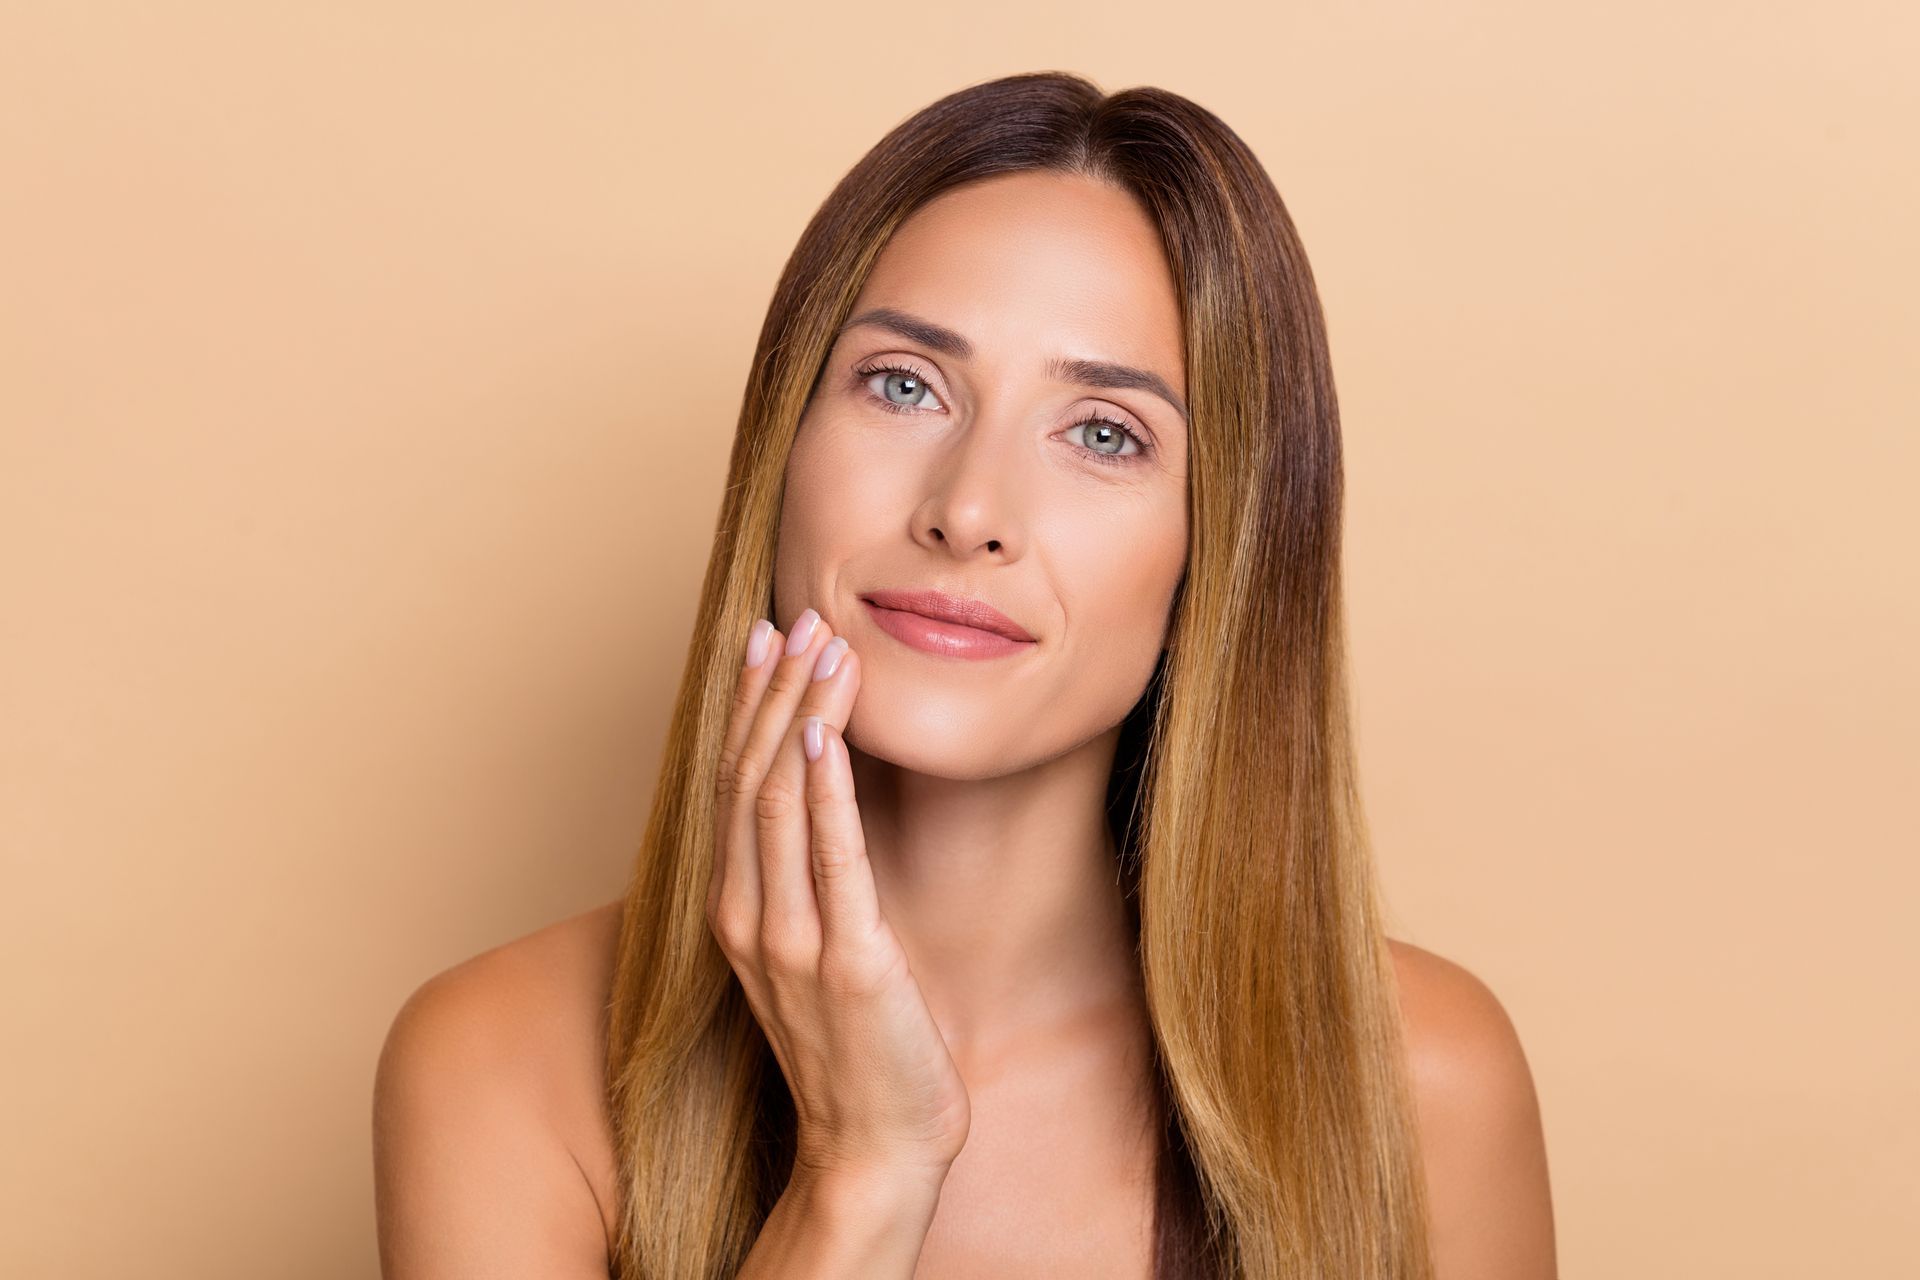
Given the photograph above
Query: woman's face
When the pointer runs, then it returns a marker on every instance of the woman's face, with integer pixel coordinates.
(948, 447)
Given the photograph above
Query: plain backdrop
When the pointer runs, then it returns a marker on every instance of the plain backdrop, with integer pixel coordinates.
(367, 377)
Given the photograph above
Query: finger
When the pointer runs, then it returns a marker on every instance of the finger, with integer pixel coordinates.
(734, 863)
(842, 877)
(752, 683)
(788, 906)
(765, 814)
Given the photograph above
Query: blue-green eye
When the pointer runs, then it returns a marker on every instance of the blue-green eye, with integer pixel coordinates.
(904, 389)
(1114, 432)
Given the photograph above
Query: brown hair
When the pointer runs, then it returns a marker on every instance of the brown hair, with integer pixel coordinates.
(1290, 1148)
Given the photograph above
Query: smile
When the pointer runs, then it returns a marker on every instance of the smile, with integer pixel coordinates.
(946, 639)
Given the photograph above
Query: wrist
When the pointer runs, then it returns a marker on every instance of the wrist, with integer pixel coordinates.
(860, 1193)
(834, 1223)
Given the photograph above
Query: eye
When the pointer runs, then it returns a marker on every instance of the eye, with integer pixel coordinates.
(1106, 431)
(903, 388)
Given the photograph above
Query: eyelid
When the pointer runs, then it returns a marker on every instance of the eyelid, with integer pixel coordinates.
(1128, 423)
(1143, 445)
(865, 371)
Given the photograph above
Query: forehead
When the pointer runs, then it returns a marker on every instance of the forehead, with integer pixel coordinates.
(1032, 265)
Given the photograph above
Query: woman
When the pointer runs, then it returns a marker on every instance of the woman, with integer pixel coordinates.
(1008, 910)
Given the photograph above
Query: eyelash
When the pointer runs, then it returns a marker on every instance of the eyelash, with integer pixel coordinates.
(1108, 459)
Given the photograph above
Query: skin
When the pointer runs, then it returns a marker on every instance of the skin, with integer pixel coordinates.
(984, 820)
(957, 1006)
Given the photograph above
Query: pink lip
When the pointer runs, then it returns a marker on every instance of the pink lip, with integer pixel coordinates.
(946, 625)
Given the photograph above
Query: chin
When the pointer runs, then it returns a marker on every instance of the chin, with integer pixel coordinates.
(922, 738)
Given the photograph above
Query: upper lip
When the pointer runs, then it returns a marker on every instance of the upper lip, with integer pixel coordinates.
(945, 608)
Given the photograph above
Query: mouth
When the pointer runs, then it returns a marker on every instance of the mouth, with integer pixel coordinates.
(948, 626)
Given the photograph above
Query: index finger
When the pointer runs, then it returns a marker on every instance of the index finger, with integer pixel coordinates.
(765, 643)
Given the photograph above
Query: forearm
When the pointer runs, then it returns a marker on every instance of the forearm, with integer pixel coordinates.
(844, 1228)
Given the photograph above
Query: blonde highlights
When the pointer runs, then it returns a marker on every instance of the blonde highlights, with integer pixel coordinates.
(1290, 1146)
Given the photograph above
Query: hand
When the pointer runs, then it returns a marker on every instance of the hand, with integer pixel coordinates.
(793, 905)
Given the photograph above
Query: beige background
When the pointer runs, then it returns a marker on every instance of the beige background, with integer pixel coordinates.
(367, 374)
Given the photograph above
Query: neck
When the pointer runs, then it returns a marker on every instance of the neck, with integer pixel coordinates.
(1005, 894)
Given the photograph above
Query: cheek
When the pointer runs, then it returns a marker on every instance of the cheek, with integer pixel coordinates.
(1123, 586)
(829, 472)
(829, 500)
(1118, 614)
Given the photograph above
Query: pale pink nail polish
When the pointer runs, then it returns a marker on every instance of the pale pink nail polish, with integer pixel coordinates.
(830, 658)
(802, 635)
(811, 737)
(757, 642)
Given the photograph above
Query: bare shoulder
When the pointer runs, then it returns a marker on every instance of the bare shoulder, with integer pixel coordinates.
(1480, 1130)
(492, 1154)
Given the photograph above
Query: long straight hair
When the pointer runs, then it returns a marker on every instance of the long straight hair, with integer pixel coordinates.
(1289, 1147)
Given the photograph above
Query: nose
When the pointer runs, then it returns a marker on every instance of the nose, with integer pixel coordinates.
(975, 489)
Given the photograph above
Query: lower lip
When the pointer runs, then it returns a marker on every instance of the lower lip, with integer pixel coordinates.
(947, 639)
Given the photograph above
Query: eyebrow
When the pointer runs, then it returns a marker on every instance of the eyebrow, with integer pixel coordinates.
(1087, 373)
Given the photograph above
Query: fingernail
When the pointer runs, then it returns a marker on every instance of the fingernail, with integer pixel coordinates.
(811, 738)
(802, 634)
(757, 642)
(830, 658)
